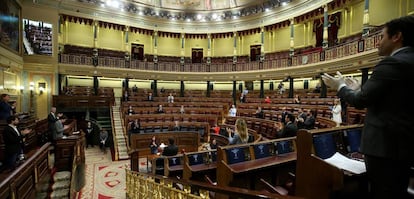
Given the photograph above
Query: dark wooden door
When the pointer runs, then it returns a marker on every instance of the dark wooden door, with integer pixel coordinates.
(137, 52)
(196, 55)
(255, 52)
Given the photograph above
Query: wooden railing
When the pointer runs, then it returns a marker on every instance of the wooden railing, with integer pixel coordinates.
(64, 101)
(21, 183)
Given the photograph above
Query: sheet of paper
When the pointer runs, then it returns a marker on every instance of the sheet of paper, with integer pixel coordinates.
(346, 163)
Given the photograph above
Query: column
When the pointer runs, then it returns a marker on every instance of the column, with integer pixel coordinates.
(234, 50)
(95, 84)
(234, 92)
(182, 51)
(291, 87)
(95, 61)
(262, 52)
(127, 47)
(208, 89)
(292, 38)
(154, 88)
(323, 89)
(208, 52)
(325, 27)
(155, 37)
(182, 87)
(364, 76)
(365, 22)
(261, 88)
(126, 85)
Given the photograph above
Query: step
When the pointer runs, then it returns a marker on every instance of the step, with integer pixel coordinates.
(62, 176)
(63, 184)
(60, 194)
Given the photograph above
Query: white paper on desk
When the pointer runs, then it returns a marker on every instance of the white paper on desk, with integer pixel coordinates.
(346, 163)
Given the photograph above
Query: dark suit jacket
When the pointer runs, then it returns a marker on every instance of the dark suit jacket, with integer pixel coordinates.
(51, 120)
(5, 110)
(13, 142)
(289, 130)
(170, 150)
(388, 130)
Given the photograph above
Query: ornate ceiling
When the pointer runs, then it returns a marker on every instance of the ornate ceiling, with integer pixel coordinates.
(194, 16)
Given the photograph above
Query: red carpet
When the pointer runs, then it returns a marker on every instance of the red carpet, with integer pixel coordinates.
(105, 179)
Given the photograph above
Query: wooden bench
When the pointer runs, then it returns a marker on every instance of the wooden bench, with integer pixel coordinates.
(318, 179)
(188, 141)
(211, 119)
(198, 164)
(219, 105)
(169, 166)
(242, 165)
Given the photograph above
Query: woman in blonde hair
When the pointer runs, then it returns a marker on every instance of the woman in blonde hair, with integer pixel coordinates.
(240, 133)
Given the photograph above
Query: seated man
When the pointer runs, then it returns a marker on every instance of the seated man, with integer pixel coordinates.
(170, 98)
(171, 149)
(177, 126)
(160, 109)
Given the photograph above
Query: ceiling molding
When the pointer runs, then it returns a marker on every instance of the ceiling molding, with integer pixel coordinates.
(276, 15)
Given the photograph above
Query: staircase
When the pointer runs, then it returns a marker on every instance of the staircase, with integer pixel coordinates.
(27, 45)
(103, 119)
(120, 140)
(55, 187)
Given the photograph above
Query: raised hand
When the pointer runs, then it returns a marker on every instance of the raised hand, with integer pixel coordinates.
(353, 83)
(333, 81)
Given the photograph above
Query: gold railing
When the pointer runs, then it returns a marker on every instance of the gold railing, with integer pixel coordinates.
(145, 186)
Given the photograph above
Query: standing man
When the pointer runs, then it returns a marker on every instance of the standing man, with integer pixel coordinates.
(13, 140)
(6, 109)
(52, 117)
(103, 136)
(388, 134)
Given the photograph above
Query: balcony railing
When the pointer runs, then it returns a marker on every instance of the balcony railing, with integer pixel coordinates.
(312, 56)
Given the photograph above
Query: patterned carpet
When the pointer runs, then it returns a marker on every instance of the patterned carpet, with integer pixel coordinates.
(105, 178)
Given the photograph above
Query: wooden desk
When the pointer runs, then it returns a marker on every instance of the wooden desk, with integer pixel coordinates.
(262, 163)
(189, 141)
(198, 164)
(315, 178)
(168, 168)
(265, 159)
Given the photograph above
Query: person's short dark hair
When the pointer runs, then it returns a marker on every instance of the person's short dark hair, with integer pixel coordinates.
(10, 119)
(405, 25)
(171, 141)
(291, 117)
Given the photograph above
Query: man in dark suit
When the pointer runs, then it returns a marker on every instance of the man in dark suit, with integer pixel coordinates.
(5, 108)
(388, 134)
(171, 149)
(290, 129)
(13, 140)
(52, 117)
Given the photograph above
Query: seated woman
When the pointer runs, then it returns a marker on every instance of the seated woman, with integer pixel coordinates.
(240, 134)
(153, 145)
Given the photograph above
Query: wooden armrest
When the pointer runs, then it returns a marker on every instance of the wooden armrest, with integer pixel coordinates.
(208, 179)
(274, 189)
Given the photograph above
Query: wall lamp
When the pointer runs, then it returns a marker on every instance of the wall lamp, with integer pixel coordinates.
(31, 87)
(42, 87)
(21, 89)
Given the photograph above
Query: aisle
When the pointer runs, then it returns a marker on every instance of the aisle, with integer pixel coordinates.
(104, 178)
